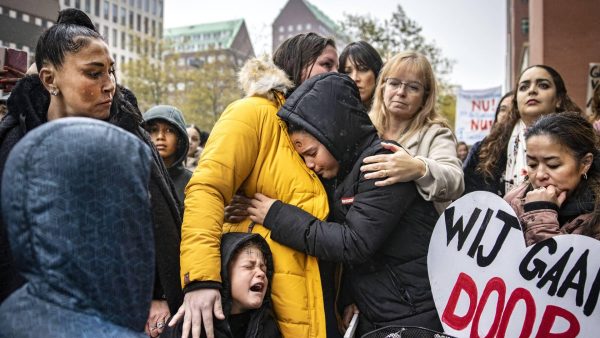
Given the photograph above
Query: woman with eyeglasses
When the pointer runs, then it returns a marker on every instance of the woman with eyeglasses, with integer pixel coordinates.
(404, 111)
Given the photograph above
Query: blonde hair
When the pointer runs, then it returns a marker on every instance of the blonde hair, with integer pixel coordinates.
(427, 114)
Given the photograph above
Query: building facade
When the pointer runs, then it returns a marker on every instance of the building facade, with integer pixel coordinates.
(560, 34)
(132, 28)
(300, 16)
(23, 21)
(203, 43)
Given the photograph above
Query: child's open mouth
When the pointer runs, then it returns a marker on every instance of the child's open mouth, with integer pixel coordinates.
(257, 287)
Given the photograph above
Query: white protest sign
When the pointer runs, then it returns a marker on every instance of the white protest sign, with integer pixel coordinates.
(485, 282)
(475, 112)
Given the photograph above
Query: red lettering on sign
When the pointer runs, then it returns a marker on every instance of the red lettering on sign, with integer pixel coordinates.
(463, 283)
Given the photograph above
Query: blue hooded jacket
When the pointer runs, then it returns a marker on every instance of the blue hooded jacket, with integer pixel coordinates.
(77, 208)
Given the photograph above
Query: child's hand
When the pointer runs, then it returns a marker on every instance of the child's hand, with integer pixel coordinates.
(259, 208)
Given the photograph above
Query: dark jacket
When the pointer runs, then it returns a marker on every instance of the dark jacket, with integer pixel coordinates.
(476, 181)
(27, 109)
(171, 115)
(259, 323)
(89, 269)
(381, 233)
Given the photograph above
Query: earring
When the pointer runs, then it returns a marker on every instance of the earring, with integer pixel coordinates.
(54, 92)
(585, 176)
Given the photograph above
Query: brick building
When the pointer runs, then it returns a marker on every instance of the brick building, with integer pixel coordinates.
(300, 16)
(561, 34)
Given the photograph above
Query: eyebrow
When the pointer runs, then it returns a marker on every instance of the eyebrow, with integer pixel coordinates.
(536, 81)
(544, 158)
(98, 64)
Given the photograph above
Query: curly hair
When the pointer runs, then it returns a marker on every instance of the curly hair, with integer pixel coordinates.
(495, 144)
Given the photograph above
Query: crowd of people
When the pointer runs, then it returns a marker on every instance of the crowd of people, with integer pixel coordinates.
(312, 201)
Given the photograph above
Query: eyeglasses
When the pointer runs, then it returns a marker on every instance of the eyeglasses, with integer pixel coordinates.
(411, 87)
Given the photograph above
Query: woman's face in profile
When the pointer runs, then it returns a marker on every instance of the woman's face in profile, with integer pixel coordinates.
(86, 81)
(325, 63)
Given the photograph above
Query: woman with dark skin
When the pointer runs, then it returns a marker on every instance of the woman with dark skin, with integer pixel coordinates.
(76, 77)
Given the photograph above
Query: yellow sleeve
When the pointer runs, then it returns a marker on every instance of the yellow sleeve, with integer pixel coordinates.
(227, 160)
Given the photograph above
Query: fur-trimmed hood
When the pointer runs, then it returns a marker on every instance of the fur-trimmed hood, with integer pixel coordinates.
(261, 77)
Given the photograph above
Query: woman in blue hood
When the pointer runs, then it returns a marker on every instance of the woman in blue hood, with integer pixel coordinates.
(70, 188)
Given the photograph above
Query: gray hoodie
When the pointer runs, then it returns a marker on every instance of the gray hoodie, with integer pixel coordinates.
(173, 116)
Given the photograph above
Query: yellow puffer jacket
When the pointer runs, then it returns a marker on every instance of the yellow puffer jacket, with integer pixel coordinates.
(249, 149)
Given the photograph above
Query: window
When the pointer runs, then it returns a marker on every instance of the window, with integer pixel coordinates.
(281, 37)
(25, 17)
(122, 60)
(146, 28)
(525, 26)
(88, 6)
(38, 22)
(139, 23)
(105, 31)
(1, 11)
(114, 38)
(123, 16)
(308, 26)
(106, 9)
(146, 6)
(160, 8)
(78, 4)
(97, 7)
(153, 7)
(97, 25)
(68, 3)
(115, 12)
(153, 28)
(299, 27)
(290, 28)
(49, 24)
(281, 29)
(131, 19)
(12, 14)
(123, 40)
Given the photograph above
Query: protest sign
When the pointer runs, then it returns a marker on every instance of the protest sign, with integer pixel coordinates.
(486, 282)
(475, 112)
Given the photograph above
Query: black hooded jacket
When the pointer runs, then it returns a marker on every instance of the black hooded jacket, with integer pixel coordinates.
(381, 233)
(27, 109)
(259, 323)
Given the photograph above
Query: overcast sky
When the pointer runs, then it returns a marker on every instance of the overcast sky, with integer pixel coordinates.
(471, 32)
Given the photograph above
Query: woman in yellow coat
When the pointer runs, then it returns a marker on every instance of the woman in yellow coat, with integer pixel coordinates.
(249, 151)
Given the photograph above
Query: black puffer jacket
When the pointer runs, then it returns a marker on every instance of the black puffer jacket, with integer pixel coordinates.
(381, 233)
(27, 109)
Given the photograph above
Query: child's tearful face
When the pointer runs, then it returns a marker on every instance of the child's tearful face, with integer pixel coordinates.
(248, 280)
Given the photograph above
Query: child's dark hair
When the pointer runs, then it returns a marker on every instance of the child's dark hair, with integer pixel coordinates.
(73, 31)
(294, 127)
(575, 133)
(298, 52)
(362, 54)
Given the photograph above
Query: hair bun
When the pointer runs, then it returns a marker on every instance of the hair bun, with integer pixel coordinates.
(73, 16)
